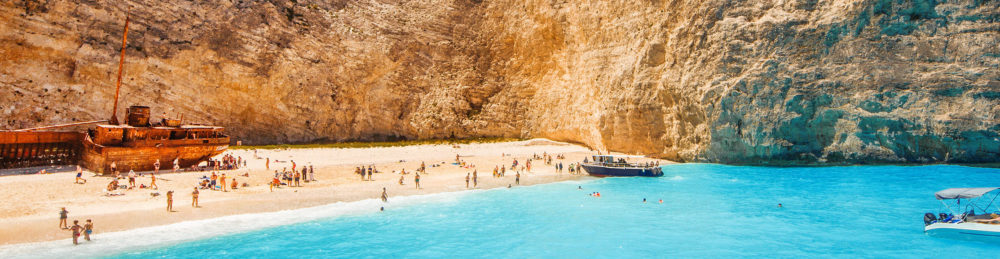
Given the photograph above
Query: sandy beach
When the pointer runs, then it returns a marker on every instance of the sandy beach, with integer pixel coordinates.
(31, 210)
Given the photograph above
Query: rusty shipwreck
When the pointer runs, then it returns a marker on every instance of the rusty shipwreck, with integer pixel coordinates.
(135, 145)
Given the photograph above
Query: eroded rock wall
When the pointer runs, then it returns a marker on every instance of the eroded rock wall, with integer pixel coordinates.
(759, 82)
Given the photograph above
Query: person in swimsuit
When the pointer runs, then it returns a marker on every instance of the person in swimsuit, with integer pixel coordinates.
(156, 166)
(88, 229)
(467, 181)
(63, 215)
(385, 196)
(297, 176)
(416, 179)
(79, 175)
(131, 178)
(222, 182)
(76, 228)
(233, 185)
(194, 197)
(176, 165)
(475, 178)
(517, 178)
(170, 201)
(401, 178)
(152, 183)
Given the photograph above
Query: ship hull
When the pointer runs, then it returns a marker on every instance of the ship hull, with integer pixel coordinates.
(25, 149)
(598, 170)
(98, 158)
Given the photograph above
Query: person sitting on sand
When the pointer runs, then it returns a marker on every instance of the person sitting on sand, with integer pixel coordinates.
(76, 228)
(113, 185)
(88, 229)
(233, 185)
(401, 178)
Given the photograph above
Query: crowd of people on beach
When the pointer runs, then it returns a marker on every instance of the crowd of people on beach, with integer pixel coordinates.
(295, 176)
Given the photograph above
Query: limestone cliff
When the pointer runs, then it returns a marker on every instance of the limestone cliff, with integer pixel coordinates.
(759, 82)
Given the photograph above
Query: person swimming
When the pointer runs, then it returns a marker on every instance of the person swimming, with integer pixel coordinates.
(661, 201)
(779, 205)
(643, 200)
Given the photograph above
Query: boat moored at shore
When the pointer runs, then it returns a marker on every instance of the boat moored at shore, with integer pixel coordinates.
(608, 165)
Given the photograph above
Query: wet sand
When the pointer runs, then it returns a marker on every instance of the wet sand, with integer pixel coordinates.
(32, 202)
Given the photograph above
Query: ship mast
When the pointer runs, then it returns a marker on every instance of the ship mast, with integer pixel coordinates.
(121, 65)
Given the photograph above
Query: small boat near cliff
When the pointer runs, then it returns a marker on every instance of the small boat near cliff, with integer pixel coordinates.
(608, 165)
(967, 224)
(135, 145)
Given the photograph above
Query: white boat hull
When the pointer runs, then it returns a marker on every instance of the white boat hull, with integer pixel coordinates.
(966, 231)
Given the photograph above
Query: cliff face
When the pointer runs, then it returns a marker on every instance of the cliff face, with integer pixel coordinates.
(722, 81)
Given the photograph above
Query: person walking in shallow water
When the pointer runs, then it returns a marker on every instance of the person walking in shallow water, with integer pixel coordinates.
(76, 228)
(88, 229)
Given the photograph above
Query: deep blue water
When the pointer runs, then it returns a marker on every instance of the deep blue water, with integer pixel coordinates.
(707, 211)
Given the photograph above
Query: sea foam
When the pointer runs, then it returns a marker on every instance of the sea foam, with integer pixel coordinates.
(106, 244)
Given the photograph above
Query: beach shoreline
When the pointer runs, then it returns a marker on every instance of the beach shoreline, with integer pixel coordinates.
(35, 199)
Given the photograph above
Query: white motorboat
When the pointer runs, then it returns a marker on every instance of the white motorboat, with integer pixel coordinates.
(968, 224)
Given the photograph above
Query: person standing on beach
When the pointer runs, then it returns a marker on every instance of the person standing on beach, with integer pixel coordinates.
(131, 178)
(267, 164)
(305, 174)
(170, 201)
(385, 196)
(194, 197)
(312, 173)
(517, 178)
(296, 176)
(467, 180)
(152, 182)
(475, 178)
(177, 165)
(156, 166)
(222, 182)
(63, 215)
(88, 229)
(416, 179)
(114, 168)
(371, 171)
(76, 228)
(79, 175)
(293, 165)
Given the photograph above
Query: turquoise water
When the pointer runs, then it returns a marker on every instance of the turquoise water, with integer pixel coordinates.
(708, 211)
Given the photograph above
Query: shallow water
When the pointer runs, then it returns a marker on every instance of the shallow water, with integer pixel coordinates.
(707, 211)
